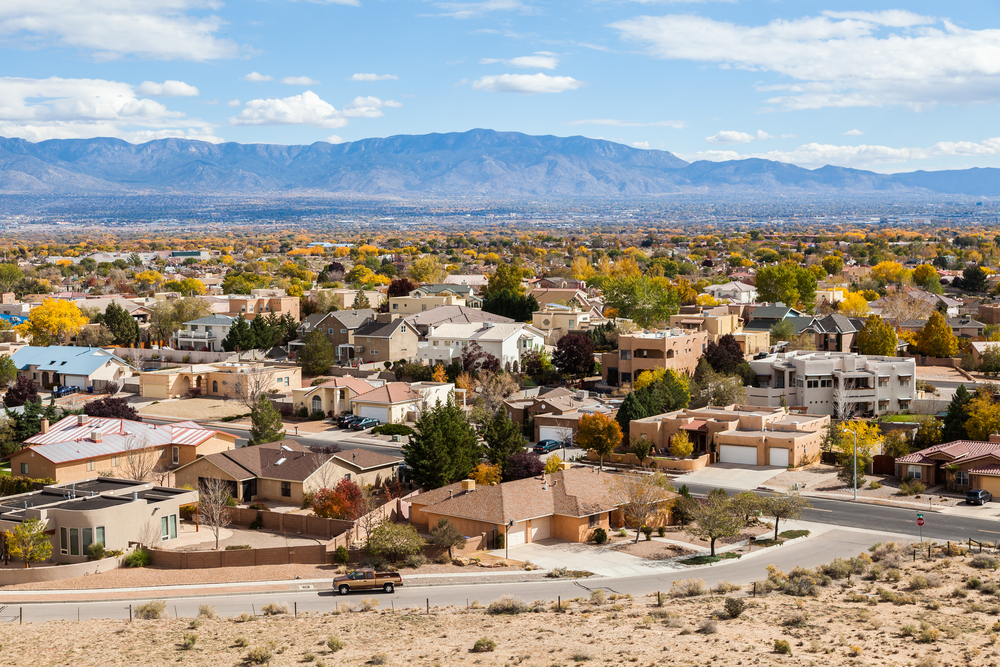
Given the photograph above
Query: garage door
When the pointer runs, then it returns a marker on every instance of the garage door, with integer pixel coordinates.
(376, 411)
(553, 433)
(515, 535)
(541, 528)
(777, 457)
(737, 454)
(991, 484)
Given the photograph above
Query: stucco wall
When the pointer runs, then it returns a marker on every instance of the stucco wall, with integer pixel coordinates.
(11, 577)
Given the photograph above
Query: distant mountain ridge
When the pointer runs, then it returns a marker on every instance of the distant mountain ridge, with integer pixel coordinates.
(474, 163)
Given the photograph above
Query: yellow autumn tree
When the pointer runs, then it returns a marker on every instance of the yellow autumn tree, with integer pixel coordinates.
(53, 322)
(486, 474)
(854, 305)
(647, 378)
(439, 374)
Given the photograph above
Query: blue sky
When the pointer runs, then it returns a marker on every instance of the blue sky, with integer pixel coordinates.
(873, 85)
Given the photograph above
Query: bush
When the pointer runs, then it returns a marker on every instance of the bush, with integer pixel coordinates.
(393, 429)
(647, 531)
(597, 596)
(317, 415)
(557, 573)
(308, 499)
(415, 561)
(258, 522)
(302, 412)
(498, 541)
(151, 610)
(687, 588)
(342, 555)
(95, 551)
(260, 655)
(334, 644)
(622, 532)
(379, 659)
(734, 607)
(368, 604)
(709, 627)
(484, 645)
(260, 506)
(189, 640)
(911, 487)
(507, 604)
(782, 647)
(138, 558)
(875, 485)
(919, 582)
(661, 531)
(928, 634)
(984, 562)
(274, 609)
(206, 611)
(600, 536)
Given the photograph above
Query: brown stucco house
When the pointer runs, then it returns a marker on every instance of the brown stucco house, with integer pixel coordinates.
(386, 341)
(978, 465)
(568, 505)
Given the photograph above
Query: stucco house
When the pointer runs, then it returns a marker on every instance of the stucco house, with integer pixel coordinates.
(79, 367)
(204, 333)
(333, 396)
(506, 342)
(396, 402)
(378, 341)
(978, 465)
(734, 291)
(674, 349)
(221, 379)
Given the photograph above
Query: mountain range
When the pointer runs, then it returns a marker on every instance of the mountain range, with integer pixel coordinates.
(482, 163)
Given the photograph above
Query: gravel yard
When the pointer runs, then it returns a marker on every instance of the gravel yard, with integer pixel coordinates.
(653, 550)
(198, 409)
(823, 479)
(256, 539)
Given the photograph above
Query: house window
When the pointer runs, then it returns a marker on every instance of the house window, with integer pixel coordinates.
(342, 331)
(904, 405)
(116, 461)
(88, 538)
(330, 330)
(175, 455)
(883, 405)
(168, 527)
(812, 383)
(317, 404)
(374, 353)
(286, 489)
(286, 382)
(347, 476)
(798, 382)
(215, 386)
(916, 472)
(904, 380)
(827, 382)
(63, 541)
(99, 535)
(624, 354)
(962, 478)
(91, 465)
(883, 382)
(24, 468)
(593, 520)
(74, 541)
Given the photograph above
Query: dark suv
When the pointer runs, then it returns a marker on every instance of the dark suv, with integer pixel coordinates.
(978, 497)
(345, 421)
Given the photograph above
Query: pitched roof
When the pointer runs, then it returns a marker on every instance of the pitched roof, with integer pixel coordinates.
(217, 320)
(456, 314)
(498, 332)
(285, 460)
(957, 449)
(352, 319)
(390, 392)
(773, 313)
(366, 460)
(438, 289)
(379, 329)
(730, 286)
(836, 324)
(64, 360)
(357, 385)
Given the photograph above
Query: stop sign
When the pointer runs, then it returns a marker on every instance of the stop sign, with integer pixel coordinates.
(920, 521)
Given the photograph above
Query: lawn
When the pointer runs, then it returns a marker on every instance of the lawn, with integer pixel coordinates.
(910, 419)
(5, 468)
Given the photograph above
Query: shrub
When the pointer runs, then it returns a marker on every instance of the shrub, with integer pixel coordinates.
(151, 610)
(928, 633)
(379, 659)
(240, 642)
(342, 555)
(308, 499)
(189, 640)
(393, 429)
(194, 624)
(875, 485)
(782, 647)
(334, 644)
(258, 522)
(709, 627)
(138, 558)
(622, 532)
(661, 531)
(261, 655)
(597, 596)
(796, 621)
(687, 588)
(274, 609)
(911, 487)
(499, 541)
(414, 561)
(988, 588)
(206, 611)
(854, 651)
(919, 582)
(484, 645)
(734, 607)
(556, 573)
(647, 531)
(600, 536)
(368, 604)
(984, 562)
(95, 551)
(507, 604)
(238, 547)
(580, 656)
(724, 587)
(260, 506)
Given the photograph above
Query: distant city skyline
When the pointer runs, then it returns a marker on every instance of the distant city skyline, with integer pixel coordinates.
(882, 86)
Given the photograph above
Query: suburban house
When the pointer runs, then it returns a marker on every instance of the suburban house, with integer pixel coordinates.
(378, 341)
(673, 349)
(563, 426)
(740, 434)
(427, 297)
(568, 505)
(333, 397)
(718, 322)
(817, 381)
(978, 465)
(978, 348)
(763, 317)
(205, 333)
(339, 327)
(65, 366)
(343, 298)
(140, 312)
(435, 317)
(285, 471)
(397, 402)
(962, 327)
(506, 342)
(556, 321)
(115, 512)
(566, 297)
(549, 401)
(834, 333)
(263, 302)
(80, 447)
(733, 291)
(475, 280)
(221, 379)
(946, 305)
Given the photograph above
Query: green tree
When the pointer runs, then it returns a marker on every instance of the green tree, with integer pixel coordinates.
(318, 353)
(877, 337)
(783, 330)
(8, 371)
(394, 541)
(783, 506)
(936, 339)
(974, 279)
(648, 302)
(10, 274)
(518, 307)
(240, 337)
(787, 283)
(833, 264)
(28, 542)
(447, 536)
(670, 393)
(265, 423)
(631, 408)
(716, 519)
(122, 326)
(503, 439)
(262, 334)
(507, 277)
(360, 301)
(953, 427)
(444, 449)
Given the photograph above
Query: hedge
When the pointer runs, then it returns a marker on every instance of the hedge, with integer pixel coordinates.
(11, 486)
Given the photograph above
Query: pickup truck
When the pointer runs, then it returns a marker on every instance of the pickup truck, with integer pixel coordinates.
(366, 579)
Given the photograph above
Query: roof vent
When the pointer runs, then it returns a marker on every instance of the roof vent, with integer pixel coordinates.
(469, 485)
(97, 436)
(81, 420)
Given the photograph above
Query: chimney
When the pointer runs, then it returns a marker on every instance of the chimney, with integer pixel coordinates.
(81, 420)
(468, 485)
(97, 436)
(995, 437)
(45, 426)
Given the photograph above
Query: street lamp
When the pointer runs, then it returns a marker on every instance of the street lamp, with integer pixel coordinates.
(855, 434)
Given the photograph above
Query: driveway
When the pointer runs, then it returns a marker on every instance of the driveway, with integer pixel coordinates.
(552, 553)
(730, 476)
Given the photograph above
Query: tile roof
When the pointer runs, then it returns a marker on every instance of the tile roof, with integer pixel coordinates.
(958, 449)
(64, 360)
(390, 392)
(357, 385)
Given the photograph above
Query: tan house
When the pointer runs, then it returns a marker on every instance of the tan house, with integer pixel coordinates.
(674, 349)
(81, 447)
(376, 342)
(221, 379)
(556, 321)
(333, 396)
(977, 463)
(550, 402)
(339, 327)
(739, 434)
(263, 302)
(567, 505)
(343, 298)
(397, 402)
(718, 322)
(284, 471)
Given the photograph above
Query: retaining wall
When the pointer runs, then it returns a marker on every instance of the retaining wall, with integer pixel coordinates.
(9, 577)
(182, 560)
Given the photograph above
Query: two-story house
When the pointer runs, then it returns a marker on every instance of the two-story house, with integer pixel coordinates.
(204, 334)
(718, 322)
(377, 341)
(506, 342)
(263, 302)
(433, 296)
(557, 321)
(733, 291)
(339, 327)
(673, 349)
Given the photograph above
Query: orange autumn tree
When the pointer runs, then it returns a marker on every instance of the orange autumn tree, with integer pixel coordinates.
(599, 433)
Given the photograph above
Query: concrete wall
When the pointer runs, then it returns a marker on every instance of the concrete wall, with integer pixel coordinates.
(12, 577)
(685, 465)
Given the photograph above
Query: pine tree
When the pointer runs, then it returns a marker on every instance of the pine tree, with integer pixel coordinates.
(445, 448)
(122, 326)
(958, 414)
(631, 408)
(318, 353)
(261, 333)
(503, 439)
(240, 337)
(360, 301)
(265, 423)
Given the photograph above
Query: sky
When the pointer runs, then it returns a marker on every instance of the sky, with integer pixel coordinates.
(871, 85)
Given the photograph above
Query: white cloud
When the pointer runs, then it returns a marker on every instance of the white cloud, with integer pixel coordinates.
(540, 60)
(233, 103)
(468, 10)
(733, 137)
(299, 81)
(257, 77)
(334, 139)
(853, 133)
(56, 108)
(158, 29)
(841, 58)
(641, 144)
(526, 84)
(676, 124)
(361, 76)
(167, 89)
(309, 109)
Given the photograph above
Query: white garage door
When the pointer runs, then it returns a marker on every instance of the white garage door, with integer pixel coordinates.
(737, 454)
(515, 535)
(777, 457)
(376, 411)
(552, 433)
(541, 528)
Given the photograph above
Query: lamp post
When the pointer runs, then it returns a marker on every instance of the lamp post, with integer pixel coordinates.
(855, 479)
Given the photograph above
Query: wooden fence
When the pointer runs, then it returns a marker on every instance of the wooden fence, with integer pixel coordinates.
(298, 524)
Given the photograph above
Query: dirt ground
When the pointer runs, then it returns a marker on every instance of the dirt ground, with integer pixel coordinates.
(939, 613)
(256, 539)
(653, 550)
(198, 409)
(823, 478)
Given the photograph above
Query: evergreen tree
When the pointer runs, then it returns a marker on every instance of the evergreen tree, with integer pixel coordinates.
(122, 326)
(503, 439)
(445, 448)
(507, 303)
(360, 301)
(265, 423)
(261, 333)
(318, 353)
(240, 337)
(958, 414)
(29, 422)
(631, 408)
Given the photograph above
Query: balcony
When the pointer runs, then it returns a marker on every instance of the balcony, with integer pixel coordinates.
(195, 335)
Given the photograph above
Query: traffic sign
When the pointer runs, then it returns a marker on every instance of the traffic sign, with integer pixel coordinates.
(920, 516)
(920, 521)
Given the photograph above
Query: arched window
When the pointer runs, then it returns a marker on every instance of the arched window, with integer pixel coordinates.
(317, 404)
(215, 386)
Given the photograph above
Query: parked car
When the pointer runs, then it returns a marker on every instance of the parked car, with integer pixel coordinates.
(345, 421)
(546, 446)
(978, 497)
(365, 422)
(59, 392)
(366, 579)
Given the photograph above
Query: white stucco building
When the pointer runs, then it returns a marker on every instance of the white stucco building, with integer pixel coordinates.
(506, 342)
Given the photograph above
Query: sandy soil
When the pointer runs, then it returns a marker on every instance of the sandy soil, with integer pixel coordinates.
(653, 550)
(823, 478)
(198, 409)
(256, 539)
(844, 622)
(678, 534)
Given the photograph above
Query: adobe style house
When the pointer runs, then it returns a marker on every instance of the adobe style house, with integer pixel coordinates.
(978, 465)
(718, 322)
(80, 447)
(673, 349)
(396, 402)
(285, 471)
(114, 512)
(219, 379)
(80, 367)
(567, 505)
(263, 302)
(333, 397)
(740, 434)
